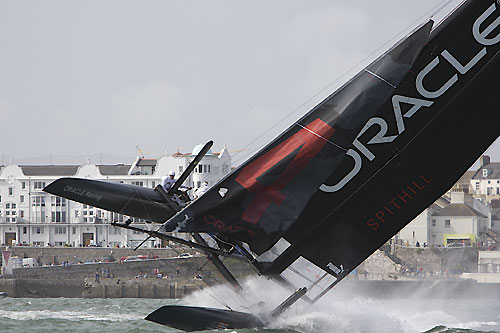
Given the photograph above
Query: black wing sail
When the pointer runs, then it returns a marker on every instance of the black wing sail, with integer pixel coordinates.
(438, 122)
(367, 160)
(261, 200)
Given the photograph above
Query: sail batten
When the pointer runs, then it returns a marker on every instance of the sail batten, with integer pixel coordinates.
(266, 195)
(393, 188)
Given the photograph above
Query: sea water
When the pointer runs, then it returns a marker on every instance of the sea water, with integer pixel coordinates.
(333, 313)
(354, 315)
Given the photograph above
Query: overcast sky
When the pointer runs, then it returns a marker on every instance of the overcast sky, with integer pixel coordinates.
(91, 77)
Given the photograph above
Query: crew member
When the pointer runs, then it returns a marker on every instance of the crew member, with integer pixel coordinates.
(201, 190)
(169, 181)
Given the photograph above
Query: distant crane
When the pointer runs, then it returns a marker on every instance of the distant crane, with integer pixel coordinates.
(238, 150)
(141, 153)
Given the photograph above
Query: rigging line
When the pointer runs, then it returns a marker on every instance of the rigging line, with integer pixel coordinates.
(380, 78)
(434, 10)
(213, 294)
(321, 137)
(444, 5)
(440, 5)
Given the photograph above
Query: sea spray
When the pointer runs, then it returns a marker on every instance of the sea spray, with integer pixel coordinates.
(345, 310)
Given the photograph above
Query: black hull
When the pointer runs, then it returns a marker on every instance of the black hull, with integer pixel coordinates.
(141, 202)
(188, 318)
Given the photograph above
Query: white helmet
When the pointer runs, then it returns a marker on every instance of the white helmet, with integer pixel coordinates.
(171, 173)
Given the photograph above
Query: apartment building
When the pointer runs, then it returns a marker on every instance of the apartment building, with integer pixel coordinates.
(29, 216)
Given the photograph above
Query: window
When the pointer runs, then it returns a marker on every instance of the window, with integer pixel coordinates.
(10, 212)
(25, 230)
(181, 168)
(59, 243)
(23, 185)
(225, 169)
(447, 223)
(38, 201)
(58, 201)
(433, 223)
(88, 211)
(59, 209)
(203, 168)
(153, 184)
(21, 198)
(138, 183)
(58, 216)
(37, 230)
(11, 191)
(485, 172)
(489, 181)
(21, 213)
(73, 230)
(115, 217)
(60, 230)
(38, 243)
(38, 185)
(38, 208)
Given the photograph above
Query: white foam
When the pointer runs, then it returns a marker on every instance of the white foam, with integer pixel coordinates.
(345, 312)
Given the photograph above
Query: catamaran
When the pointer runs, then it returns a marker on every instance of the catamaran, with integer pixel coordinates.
(315, 202)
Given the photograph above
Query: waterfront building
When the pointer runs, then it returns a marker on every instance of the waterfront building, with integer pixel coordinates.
(485, 181)
(460, 221)
(29, 216)
(464, 222)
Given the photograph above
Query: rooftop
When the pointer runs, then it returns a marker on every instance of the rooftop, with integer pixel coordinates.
(458, 210)
(49, 170)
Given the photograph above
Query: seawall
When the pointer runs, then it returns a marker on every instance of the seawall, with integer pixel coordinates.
(154, 278)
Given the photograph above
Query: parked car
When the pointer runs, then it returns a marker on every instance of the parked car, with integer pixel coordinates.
(30, 262)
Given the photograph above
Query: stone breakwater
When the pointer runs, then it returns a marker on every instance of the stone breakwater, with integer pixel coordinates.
(154, 278)
(184, 275)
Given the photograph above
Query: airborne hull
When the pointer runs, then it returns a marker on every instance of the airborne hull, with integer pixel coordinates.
(188, 318)
(346, 177)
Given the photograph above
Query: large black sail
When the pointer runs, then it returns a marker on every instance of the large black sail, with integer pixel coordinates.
(435, 125)
(265, 196)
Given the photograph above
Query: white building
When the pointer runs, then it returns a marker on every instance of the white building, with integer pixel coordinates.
(486, 180)
(461, 221)
(29, 216)
(464, 221)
